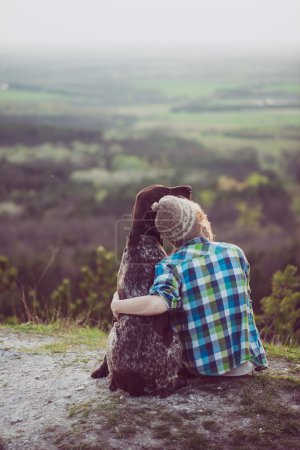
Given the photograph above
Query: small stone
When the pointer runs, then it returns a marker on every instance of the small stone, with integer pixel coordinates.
(80, 388)
(67, 396)
(219, 388)
(16, 420)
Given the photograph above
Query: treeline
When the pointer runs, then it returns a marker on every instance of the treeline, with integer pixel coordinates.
(279, 320)
(71, 195)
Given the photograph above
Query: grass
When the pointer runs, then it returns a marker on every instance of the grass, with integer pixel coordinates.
(71, 335)
(261, 118)
(81, 409)
(289, 353)
(16, 95)
(173, 88)
(275, 421)
(68, 335)
(125, 419)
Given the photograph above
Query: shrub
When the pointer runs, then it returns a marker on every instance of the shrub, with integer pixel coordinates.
(8, 288)
(97, 285)
(282, 308)
(8, 275)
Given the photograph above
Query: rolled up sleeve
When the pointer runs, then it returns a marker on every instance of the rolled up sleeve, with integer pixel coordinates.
(167, 285)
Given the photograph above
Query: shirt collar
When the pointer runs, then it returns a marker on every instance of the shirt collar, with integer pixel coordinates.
(196, 240)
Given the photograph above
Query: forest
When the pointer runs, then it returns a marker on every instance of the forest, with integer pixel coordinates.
(80, 135)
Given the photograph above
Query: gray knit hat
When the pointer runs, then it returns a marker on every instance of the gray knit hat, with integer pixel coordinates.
(178, 220)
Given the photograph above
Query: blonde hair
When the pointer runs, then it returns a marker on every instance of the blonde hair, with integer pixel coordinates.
(204, 224)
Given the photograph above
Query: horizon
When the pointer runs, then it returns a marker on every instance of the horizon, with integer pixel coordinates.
(170, 51)
(132, 24)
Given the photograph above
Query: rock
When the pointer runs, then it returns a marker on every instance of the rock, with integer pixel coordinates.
(15, 420)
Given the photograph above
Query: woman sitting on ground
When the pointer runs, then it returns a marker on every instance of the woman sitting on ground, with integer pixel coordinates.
(205, 286)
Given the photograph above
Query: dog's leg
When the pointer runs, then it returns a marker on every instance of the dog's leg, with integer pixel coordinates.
(102, 372)
(112, 385)
(178, 384)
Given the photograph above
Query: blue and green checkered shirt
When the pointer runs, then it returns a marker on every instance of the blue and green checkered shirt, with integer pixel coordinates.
(206, 287)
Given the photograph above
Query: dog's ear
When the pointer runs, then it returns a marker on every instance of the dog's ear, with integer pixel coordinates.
(184, 191)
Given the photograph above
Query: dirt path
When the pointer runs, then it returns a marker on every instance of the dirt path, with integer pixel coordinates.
(48, 401)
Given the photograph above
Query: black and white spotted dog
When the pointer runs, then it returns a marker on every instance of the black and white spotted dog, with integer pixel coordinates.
(143, 354)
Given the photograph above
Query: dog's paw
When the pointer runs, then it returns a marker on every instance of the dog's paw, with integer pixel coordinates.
(112, 386)
(164, 393)
(102, 372)
(180, 382)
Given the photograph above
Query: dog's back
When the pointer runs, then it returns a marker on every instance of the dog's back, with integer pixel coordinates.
(143, 354)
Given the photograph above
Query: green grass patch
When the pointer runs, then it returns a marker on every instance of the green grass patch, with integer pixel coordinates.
(81, 409)
(176, 87)
(274, 118)
(293, 88)
(69, 335)
(16, 95)
(289, 353)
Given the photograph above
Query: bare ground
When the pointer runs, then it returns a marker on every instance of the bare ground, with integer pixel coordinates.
(48, 401)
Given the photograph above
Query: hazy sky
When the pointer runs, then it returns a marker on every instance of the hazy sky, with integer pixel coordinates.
(89, 23)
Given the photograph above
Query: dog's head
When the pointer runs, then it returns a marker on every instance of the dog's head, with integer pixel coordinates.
(142, 211)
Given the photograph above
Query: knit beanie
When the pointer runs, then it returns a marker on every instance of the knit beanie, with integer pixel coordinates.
(178, 220)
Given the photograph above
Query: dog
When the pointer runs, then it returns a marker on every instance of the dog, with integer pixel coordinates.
(143, 354)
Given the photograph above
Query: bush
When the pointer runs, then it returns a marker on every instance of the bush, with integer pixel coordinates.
(92, 307)
(8, 289)
(282, 308)
(97, 285)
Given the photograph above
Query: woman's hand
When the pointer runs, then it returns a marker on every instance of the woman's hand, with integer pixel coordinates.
(146, 305)
(116, 296)
(114, 305)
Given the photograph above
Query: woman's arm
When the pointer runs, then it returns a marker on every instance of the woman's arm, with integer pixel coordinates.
(146, 305)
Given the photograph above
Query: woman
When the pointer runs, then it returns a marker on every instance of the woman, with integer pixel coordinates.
(205, 286)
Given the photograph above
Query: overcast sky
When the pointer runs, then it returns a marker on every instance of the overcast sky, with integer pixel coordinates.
(107, 23)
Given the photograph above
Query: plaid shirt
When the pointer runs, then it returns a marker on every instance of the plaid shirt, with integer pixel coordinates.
(206, 287)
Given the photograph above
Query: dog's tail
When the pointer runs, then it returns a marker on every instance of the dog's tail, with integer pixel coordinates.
(131, 382)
